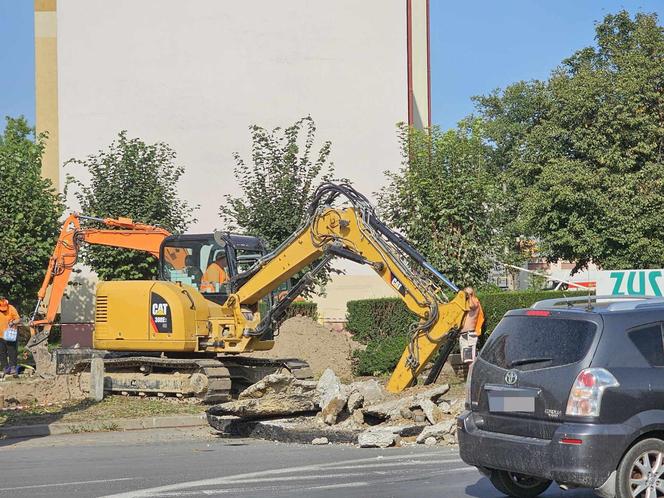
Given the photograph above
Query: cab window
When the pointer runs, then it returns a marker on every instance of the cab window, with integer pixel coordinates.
(199, 263)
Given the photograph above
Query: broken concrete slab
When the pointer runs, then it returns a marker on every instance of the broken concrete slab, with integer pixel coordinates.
(328, 385)
(438, 431)
(377, 437)
(267, 407)
(432, 412)
(371, 390)
(288, 430)
(430, 441)
(393, 409)
(383, 436)
(444, 405)
(388, 409)
(331, 410)
(274, 396)
(355, 401)
(278, 383)
(332, 396)
(434, 393)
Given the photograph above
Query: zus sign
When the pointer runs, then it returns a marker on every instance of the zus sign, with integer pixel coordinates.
(630, 283)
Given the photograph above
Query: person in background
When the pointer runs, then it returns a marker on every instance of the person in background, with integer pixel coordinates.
(471, 328)
(9, 320)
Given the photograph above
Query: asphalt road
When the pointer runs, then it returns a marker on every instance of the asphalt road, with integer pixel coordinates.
(177, 463)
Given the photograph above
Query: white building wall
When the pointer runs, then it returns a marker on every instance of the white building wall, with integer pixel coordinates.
(197, 74)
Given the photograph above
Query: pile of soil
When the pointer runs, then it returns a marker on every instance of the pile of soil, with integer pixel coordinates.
(301, 337)
(42, 391)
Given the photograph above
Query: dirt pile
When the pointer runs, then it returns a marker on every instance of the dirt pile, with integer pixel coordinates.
(40, 391)
(322, 348)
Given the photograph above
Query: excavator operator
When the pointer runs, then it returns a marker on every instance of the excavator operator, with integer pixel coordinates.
(215, 274)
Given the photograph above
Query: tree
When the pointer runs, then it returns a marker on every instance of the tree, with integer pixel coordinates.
(586, 162)
(445, 200)
(135, 180)
(278, 184)
(29, 210)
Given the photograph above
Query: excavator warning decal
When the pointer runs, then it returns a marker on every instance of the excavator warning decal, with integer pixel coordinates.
(160, 314)
(396, 283)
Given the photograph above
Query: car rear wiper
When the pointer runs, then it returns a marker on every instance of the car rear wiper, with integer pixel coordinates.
(527, 361)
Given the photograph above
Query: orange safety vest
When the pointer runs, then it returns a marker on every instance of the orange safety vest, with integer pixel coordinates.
(10, 314)
(214, 274)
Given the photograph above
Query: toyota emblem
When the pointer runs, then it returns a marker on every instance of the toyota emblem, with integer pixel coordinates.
(511, 377)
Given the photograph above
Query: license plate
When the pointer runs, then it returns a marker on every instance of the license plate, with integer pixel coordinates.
(507, 403)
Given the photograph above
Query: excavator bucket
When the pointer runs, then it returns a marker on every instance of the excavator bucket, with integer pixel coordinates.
(426, 345)
(44, 361)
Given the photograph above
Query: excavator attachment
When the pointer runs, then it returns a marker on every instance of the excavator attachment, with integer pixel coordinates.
(119, 232)
(353, 231)
(424, 345)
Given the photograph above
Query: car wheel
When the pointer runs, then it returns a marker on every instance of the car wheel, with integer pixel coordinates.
(640, 473)
(518, 485)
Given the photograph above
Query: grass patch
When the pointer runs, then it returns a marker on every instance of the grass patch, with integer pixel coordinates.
(89, 411)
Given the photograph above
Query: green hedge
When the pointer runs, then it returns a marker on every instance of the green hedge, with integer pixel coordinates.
(303, 308)
(383, 324)
(371, 319)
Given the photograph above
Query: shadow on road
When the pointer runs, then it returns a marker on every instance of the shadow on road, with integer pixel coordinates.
(484, 489)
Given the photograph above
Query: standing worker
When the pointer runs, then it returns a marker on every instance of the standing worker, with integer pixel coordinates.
(9, 320)
(471, 328)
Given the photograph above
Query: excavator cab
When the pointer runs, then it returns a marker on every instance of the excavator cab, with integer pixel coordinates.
(211, 263)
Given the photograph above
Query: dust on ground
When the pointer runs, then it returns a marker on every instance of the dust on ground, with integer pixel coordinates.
(301, 337)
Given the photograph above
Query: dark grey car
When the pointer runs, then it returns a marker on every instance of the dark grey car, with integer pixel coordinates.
(572, 394)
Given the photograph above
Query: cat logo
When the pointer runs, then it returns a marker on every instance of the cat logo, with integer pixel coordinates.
(159, 309)
(160, 315)
(396, 283)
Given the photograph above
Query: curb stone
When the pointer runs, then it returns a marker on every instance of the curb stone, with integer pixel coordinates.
(118, 424)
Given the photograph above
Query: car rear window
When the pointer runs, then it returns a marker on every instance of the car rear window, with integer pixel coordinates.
(530, 343)
(650, 343)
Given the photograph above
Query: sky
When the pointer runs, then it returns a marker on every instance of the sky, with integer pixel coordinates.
(476, 47)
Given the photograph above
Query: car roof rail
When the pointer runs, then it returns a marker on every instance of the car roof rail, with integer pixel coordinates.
(614, 303)
(653, 302)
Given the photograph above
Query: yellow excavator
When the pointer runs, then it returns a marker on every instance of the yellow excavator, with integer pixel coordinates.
(189, 333)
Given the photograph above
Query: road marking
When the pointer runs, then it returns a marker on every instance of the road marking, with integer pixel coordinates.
(68, 483)
(356, 484)
(288, 479)
(397, 464)
(216, 481)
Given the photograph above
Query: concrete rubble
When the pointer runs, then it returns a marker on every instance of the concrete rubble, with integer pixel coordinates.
(283, 408)
(275, 395)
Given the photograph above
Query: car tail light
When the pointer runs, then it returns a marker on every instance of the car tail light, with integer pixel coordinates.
(585, 398)
(470, 373)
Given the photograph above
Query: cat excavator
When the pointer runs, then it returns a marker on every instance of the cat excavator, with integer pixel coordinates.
(187, 334)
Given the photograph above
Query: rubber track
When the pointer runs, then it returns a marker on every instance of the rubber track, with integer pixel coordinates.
(219, 377)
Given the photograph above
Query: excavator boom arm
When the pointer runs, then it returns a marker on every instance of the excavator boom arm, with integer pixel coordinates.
(128, 235)
(356, 233)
